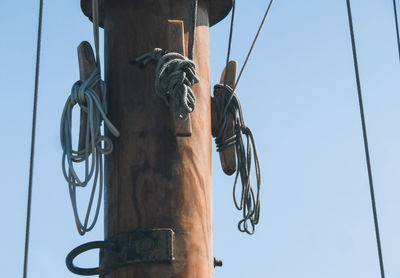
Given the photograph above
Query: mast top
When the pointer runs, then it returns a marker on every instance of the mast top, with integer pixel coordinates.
(218, 10)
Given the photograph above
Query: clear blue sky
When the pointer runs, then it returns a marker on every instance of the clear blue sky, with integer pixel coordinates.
(299, 98)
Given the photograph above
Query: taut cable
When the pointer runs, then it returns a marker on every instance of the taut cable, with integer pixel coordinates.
(365, 137)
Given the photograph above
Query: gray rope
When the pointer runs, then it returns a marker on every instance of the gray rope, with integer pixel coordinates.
(192, 35)
(249, 198)
(249, 202)
(33, 136)
(84, 95)
(228, 54)
(96, 144)
(175, 74)
(174, 78)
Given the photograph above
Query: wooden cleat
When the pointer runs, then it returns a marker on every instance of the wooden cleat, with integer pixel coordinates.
(176, 43)
(87, 64)
(227, 155)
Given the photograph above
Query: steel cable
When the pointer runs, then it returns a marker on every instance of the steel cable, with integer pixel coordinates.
(365, 138)
(254, 42)
(397, 26)
(33, 135)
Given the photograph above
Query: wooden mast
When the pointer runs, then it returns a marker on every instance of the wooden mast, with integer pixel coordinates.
(155, 179)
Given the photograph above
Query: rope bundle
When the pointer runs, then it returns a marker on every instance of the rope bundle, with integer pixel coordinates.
(174, 79)
(249, 198)
(83, 93)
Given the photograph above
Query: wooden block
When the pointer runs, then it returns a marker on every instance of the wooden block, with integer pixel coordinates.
(227, 156)
(87, 65)
(176, 43)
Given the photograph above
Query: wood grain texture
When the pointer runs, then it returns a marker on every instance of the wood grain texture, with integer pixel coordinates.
(176, 43)
(153, 178)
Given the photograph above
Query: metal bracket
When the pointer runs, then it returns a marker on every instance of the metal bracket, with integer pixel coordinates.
(143, 246)
(140, 246)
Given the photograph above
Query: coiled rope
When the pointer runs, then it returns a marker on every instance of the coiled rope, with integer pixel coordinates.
(175, 74)
(249, 198)
(174, 78)
(83, 93)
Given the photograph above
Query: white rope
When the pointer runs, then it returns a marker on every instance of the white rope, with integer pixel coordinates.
(83, 93)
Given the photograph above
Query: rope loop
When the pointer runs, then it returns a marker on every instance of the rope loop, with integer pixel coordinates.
(95, 147)
(249, 201)
(174, 78)
(108, 145)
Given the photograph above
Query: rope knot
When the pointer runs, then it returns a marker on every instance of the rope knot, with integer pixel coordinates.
(79, 89)
(77, 94)
(174, 79)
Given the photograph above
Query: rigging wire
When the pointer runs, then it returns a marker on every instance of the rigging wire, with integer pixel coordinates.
(254, 42)
(250, 50)
(365, 137)
(397, 26)
(33, 135)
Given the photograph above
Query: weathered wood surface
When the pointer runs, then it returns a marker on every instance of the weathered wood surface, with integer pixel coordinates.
(153, 178)
(87, 64)
(176, 43)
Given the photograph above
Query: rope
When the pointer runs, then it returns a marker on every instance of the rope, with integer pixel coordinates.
(397, 26)
(175, 74)
(249, 200)
(32, 156)
(174, 78)
(365, 137)
(228, 54)
(193, 17)
(96, 144)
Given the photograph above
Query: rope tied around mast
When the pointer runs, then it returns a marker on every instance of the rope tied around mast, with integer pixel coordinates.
(249, 202)
(174, 78)
(176, 74)
(83, 94)
(95, 144)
